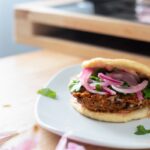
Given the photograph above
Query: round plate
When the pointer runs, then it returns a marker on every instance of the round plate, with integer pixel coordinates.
(59, 117)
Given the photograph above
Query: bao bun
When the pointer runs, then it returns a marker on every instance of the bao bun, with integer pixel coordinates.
(125, 64)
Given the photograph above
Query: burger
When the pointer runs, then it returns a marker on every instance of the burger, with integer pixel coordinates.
(112, 90)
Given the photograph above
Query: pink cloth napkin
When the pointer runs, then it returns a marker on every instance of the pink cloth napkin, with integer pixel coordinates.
(29, 141)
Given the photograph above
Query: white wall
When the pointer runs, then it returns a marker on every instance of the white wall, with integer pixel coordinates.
(7, 43)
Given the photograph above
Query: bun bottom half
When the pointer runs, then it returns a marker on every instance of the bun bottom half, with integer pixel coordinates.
(111, 117)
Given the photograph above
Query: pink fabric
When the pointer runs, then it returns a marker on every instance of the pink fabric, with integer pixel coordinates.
(74, 146)
(27, 144)
(64, 145)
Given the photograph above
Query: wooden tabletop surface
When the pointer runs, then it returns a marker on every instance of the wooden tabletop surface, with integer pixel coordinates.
(23, 75)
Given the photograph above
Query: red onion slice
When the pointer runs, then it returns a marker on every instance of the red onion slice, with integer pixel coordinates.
(90, 85)
(111, 92)
(140, 95)
(109, 79)
(132, 89)
(85, 77)
(131, 79)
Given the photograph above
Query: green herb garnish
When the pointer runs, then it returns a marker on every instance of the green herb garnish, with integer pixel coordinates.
(98, 87)
(75, 86)
(102, 70)
(141, 130)
(47, 92)
(125, 84)
(95, 78)
(146, 92)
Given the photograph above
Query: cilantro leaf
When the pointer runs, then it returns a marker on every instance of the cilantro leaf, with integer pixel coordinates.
(95, 78)
(147, 92)
(125, 84)
(98, 87)
(75, 86)
(47, 92)
(141, 130)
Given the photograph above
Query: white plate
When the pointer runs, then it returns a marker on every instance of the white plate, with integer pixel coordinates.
(59, 117)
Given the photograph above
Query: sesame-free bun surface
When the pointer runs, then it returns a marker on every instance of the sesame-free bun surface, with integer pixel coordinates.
(124, 64)
(111, 117)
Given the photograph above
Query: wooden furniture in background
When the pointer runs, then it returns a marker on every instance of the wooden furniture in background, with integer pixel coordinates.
(34, 22)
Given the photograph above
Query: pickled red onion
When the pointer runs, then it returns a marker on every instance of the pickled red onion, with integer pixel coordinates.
(113, 80)
(109, 79)
(132, 89)
(111, 92)
(84, 78)
(140, 95)
(131, 79)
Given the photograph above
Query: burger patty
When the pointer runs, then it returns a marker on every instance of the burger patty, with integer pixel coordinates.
(106, 103)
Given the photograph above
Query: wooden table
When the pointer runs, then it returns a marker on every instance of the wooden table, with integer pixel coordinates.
(23, 75)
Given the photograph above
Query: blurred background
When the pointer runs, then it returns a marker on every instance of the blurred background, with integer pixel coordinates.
(7, 39)
(133, 10)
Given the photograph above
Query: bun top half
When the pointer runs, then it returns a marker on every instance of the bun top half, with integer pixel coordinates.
(124, 64)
